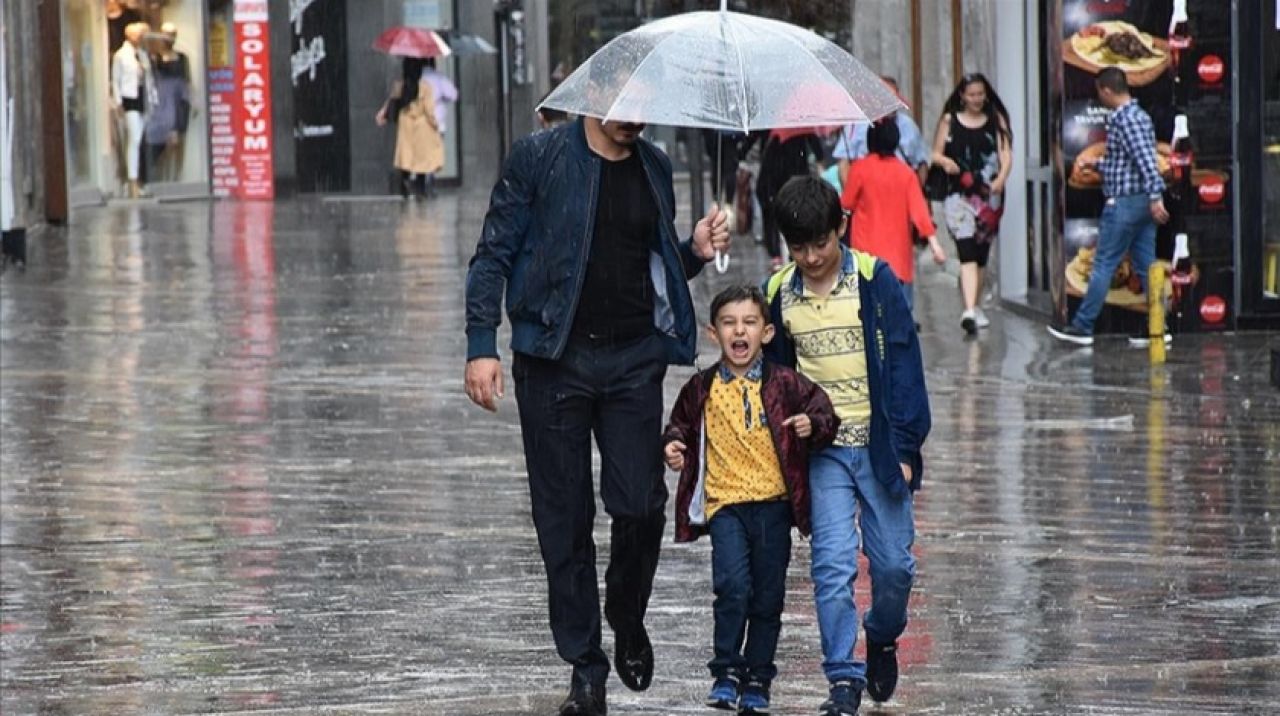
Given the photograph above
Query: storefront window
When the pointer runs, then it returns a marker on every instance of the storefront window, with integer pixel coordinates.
(85, 59)
(170, 155)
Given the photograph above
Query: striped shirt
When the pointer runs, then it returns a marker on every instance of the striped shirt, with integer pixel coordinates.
(831, 350)
(1129, 165)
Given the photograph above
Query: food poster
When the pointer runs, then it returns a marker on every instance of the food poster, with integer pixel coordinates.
(1175, 67)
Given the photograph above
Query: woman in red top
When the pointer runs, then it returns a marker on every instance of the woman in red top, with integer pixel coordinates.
(884, 195)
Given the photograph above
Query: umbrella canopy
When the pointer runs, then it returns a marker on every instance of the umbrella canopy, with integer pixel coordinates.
(724, 70)
(412, 42)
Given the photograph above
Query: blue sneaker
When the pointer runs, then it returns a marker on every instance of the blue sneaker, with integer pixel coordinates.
(754, 698)
(724, 694)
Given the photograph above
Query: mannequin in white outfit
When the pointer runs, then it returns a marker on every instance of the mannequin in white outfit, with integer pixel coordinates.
(131, 90)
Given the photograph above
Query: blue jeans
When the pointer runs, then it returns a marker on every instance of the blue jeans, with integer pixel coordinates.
(1126, 227)
(750, 550)
(842, 486)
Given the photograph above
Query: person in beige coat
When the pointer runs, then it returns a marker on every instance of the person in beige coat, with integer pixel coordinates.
(419, 146)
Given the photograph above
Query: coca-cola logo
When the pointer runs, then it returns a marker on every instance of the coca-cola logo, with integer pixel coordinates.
(1211, 69)
(1213, 309)
(1213, 191)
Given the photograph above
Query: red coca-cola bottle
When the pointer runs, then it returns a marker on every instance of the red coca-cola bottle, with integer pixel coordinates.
(1180, 280)
(1179, 34)
(1181, 156)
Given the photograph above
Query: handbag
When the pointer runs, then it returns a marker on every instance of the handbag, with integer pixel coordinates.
(935, 183)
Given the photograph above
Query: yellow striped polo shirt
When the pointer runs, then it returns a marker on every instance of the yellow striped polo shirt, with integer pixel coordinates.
(831, 351)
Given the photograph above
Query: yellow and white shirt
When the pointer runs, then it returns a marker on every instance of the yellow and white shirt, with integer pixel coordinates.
(831, 351)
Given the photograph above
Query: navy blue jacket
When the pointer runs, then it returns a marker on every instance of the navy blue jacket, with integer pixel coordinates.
(900, 418)
(536, 240)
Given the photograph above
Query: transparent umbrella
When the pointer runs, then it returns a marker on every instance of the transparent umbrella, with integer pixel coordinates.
(724, 70)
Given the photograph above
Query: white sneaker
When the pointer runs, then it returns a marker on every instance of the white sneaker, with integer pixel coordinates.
(1143, 341)
(980, 317)
(968, 321)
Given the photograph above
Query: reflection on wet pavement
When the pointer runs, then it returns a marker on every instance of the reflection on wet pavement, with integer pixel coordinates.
(240, 475)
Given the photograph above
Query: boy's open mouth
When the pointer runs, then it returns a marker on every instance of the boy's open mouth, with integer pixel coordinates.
(740, 348)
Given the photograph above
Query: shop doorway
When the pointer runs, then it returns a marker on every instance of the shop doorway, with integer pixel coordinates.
(167, 141)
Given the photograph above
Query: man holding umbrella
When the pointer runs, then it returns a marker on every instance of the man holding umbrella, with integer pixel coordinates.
(580, 235)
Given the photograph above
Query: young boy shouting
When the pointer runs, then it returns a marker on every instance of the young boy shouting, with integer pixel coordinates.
(843, 322)
(752, 426)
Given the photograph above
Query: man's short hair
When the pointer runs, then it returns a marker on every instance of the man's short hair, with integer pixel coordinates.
(1113, 79)
(734, 294)
(807, 210)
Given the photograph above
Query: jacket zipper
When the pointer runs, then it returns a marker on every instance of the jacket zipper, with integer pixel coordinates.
(585, 255)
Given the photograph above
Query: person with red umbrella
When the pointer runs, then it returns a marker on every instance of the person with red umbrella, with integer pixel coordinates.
(412, 105)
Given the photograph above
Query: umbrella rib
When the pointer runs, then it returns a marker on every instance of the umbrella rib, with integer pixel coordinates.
(742, 74)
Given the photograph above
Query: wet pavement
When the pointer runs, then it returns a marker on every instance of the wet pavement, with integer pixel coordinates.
(239, 475)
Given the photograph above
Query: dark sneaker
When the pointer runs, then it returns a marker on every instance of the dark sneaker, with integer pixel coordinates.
(724, 694)
(754, 699)
(1071, 334)
(845, 697)
(969, 322)
(633, 658)
(1142, 340)
(585, 698)
(882, 670)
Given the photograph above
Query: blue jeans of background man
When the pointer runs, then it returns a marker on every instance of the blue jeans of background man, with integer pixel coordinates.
(1126, 227)
(843, 487)
(750, 550)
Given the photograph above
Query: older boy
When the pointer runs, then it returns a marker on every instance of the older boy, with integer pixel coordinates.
(844, 323)
(753, 426)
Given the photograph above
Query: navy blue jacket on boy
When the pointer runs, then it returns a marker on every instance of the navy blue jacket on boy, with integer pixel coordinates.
(900, 418)
(536, 240)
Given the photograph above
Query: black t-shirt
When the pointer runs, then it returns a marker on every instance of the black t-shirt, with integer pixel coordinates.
(617, 294)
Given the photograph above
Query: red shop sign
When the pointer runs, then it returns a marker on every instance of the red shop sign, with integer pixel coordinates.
(1213, 191)
(241, 110)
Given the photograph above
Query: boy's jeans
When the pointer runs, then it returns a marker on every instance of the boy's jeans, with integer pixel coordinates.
(750, 550)
(841, 484)
(1126, 227)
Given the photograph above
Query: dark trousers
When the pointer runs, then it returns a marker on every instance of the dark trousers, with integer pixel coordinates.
(614, 392)
(750, 551)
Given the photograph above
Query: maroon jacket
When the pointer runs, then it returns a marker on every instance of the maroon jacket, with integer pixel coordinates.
(784, 393)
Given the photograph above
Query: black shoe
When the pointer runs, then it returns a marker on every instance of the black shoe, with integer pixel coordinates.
(882, 670)
(633, 658)
(1071, 334)
(585, 698)
(845, 697)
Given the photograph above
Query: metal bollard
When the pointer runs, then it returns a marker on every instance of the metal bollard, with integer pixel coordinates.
(1156, 287)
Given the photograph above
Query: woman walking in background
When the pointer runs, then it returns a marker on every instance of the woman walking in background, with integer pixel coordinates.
(974, 145)
(884, 196)
(419, 147)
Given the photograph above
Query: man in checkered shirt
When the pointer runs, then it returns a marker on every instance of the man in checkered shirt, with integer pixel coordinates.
(1132, 185)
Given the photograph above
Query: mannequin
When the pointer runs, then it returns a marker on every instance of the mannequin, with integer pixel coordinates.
(131, 94)
(167, 122)
(118, 18)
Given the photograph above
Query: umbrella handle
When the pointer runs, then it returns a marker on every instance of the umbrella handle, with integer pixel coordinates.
(722, 262)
